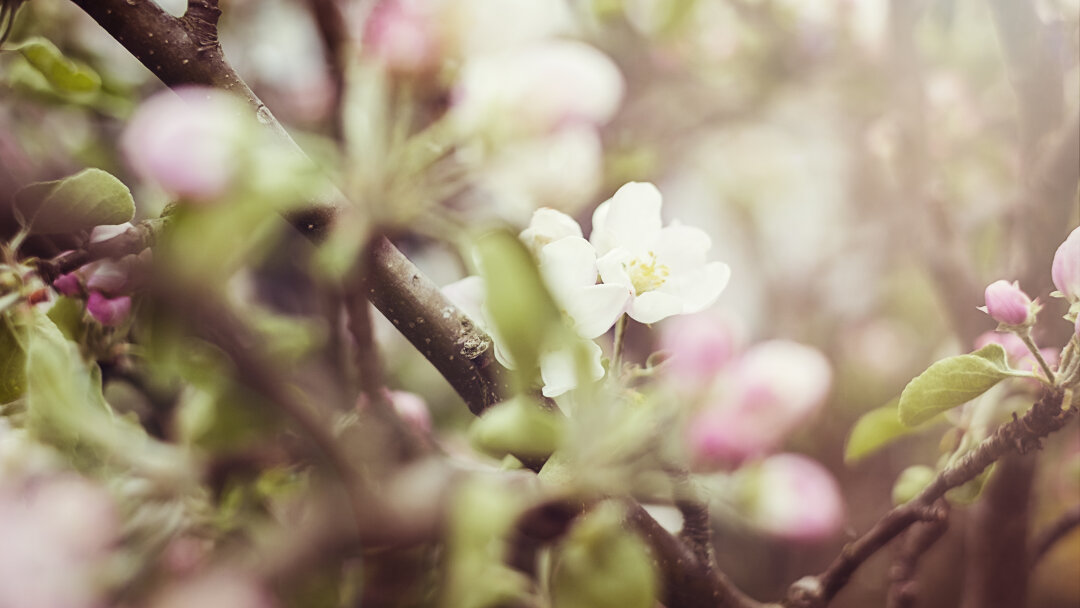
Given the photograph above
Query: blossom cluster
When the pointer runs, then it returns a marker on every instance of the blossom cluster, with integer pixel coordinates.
(632, 264)
(106, 284)
(528, 142)
(1016, 313)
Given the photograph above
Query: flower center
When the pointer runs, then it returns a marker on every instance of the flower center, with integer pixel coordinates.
(646, 274)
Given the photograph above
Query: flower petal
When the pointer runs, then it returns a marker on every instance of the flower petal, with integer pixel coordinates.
(698, 288)
(682, 246)
(652, 306)
(595, 309)
(559, 370)
(629, 219)
(547, 226)
(612, 267)
(568, 265)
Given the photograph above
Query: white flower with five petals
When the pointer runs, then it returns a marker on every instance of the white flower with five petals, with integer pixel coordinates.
(662, 267)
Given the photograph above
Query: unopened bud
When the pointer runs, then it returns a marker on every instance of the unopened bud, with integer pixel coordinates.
(1007, 304)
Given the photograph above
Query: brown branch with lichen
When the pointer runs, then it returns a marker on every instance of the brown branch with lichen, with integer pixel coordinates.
(1022, 435)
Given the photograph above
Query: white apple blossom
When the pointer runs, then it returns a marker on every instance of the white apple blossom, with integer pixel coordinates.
(663, 267)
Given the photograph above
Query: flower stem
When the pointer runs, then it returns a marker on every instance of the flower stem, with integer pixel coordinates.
(617, 348)
(1028, 342)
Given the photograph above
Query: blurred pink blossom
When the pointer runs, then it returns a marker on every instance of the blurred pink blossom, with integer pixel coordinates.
(412, 408)
(55, 533)
(1007, 303)
(220, 588)
(537, 89)
(795, 498)
(699, 346)
(187, 140)
(68, 284)
(767, 393)
(1066, 267)
(108, 311)
(404, 35)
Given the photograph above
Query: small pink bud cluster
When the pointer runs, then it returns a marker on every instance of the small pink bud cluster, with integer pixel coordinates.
(753, 400)
(107, 284)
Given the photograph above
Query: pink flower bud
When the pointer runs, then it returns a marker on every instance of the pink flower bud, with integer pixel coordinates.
(67, 284)
(1066, 268)
(403, 35)
(795, 498)
(699, 346)
(413, 410)
(187, 142)
(109, 312)
(1007, 304)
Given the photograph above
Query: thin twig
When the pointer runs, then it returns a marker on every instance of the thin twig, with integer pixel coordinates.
(1069, 521)
(903, 591)
(1021, 435)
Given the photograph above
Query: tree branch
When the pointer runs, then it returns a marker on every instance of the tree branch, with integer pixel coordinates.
(903, 592)
(172, 51)
(1021, 435)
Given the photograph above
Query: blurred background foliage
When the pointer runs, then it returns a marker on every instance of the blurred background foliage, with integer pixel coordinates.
(830, 148)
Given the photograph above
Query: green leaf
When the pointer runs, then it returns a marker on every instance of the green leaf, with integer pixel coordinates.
(66, 409)
(876, 429)
(89, 198)
(521, 308)
(12, 360)
(63, 74)
(952, 382)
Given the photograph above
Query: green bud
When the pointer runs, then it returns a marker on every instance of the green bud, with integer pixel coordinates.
(519, 427)
(601, 564)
